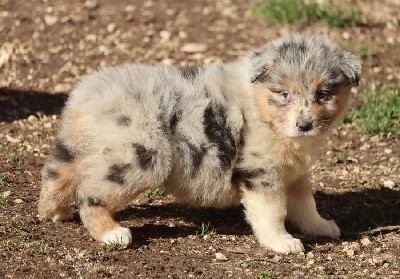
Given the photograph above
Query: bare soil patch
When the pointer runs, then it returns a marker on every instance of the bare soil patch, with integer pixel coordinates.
(47, 46)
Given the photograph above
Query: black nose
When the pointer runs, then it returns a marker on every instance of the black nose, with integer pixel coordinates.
(304, 126)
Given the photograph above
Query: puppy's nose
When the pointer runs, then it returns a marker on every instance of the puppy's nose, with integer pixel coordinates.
(304, 126)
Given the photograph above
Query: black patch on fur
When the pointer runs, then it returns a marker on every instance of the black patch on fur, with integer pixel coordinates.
(117, 172)
(62, 153)
(246, 176)
(95, 202)
(145, 156)
(173, 121)
(190, 73)
(51, 174)
(265, 184)
(124, 120)
(80, 201)
(217, 132)
(197, 155)
(291, 50)
(255, 154)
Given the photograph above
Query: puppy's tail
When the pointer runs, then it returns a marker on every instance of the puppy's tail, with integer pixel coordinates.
(60, 178)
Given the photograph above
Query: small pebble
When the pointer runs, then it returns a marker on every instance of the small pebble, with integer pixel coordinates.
(194, 47)
(365, 241)
(221, 257)
(91, 4)
(18, 201)
(50, 20)
(389, 184)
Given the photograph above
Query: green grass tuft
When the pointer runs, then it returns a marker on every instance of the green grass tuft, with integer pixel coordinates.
(34, 249)
(379, 111)
(113, 247)
(3, 200)
(359, 187)
(337, 159)
(157, 191)
(12, 158)
(4, 181)
(206, 230)
(268, 275)
(301, 13)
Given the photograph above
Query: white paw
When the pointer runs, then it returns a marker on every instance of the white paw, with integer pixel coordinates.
(323, 228)
(118, 235)
(285, 244)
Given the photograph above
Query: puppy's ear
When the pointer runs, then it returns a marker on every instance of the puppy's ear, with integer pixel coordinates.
(260, 61)
(351, 67)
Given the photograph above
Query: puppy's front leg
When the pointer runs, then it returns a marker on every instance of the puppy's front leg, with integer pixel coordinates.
(265, 210)
(302, 211)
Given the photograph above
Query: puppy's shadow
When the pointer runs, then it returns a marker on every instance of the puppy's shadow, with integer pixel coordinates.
(356, 213)
(182, 221)
(19, 104)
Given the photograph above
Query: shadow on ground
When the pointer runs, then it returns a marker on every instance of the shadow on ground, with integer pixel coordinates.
(18, 104)
(355, 212)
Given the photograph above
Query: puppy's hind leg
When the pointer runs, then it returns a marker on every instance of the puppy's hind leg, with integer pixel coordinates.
(60, 178)
(302, 211)
(107, 187)
(266, 212)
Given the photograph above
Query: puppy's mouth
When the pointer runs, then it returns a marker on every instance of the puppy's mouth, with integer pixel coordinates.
(300, 134)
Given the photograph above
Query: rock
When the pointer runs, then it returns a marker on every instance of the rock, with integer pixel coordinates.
(389, 184)
(365, 147)
(111, 27)
(91, 4)
(375, 138)
(346, 35)
(350, 252)
(183, 35)
(50, 20)
(388, 151)
(220, 257)
(298, 273)
(354, 246)
(32, 119)
(129, 8)
(365, 241)
(194, 47)
(5, 53)
(62, 87)
(13, 140)
(165, 35)
(18, 201)
(6, 194)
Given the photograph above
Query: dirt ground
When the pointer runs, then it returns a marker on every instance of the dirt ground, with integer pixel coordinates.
(47, 46)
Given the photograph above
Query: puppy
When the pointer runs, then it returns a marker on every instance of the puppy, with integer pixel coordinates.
(242, 132)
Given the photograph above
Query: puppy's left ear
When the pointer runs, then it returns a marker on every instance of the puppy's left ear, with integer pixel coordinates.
(351, 67)
(260, 61)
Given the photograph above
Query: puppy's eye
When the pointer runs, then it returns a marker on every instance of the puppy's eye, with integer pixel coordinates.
(321, 95)
(285, 94)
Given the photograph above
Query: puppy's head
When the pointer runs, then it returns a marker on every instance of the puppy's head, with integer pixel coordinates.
(302, 84)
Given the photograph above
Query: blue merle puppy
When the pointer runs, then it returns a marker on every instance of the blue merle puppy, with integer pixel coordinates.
(217, 135)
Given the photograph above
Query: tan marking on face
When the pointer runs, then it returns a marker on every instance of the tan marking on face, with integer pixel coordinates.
(290, 85)
(269, 113)
(342, 96)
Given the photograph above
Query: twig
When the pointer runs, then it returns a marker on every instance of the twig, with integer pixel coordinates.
(380, 229)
